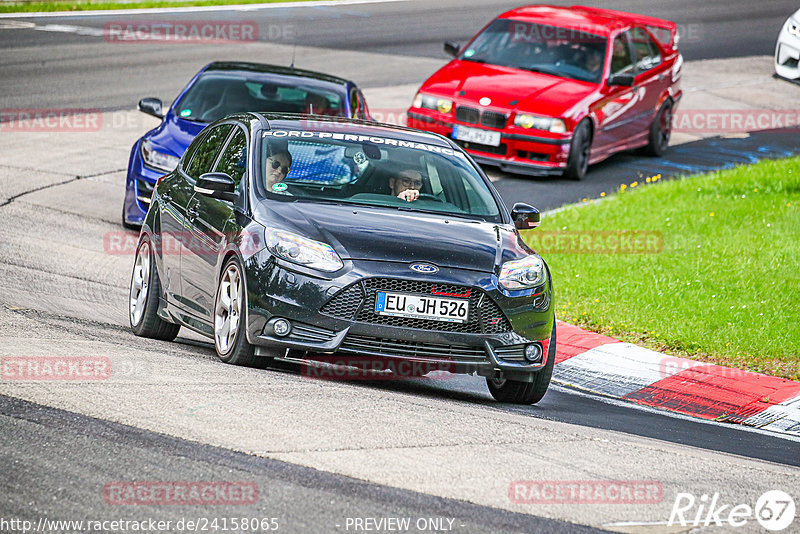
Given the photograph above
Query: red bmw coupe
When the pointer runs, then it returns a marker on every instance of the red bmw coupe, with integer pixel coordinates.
(546, 90)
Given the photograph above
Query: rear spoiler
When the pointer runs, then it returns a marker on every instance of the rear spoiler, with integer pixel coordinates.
(665, 31)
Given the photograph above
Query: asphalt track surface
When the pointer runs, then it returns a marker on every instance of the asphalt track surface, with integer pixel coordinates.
(76, 453)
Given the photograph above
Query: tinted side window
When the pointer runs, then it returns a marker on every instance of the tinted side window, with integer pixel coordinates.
(234, 159)
(207, 151)
(192, 148)
(646, 51)
(621, 61)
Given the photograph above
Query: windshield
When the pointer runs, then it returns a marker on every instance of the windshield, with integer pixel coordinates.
(216, 95)
(539, 48)
(373, 171)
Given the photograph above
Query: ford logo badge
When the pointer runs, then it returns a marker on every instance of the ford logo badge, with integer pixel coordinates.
(424, 268)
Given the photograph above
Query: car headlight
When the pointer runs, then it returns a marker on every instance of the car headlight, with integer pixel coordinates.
(158, 160)
(298, 249)
(548, 124)
(442, 105)
(526, 273)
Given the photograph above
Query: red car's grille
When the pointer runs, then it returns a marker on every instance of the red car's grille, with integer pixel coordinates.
(468, 115)
(490, 119)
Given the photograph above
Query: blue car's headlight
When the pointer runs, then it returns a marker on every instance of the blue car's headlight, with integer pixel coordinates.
(158, 160)
(299, 249)
(526, 273)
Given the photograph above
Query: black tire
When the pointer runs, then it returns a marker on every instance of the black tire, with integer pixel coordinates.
(660, 130)
(144, 320)
(579, 150)
(237, 351)
(516, 392)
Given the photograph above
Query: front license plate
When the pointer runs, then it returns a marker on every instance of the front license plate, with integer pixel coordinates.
(474, 135)
(418, 307)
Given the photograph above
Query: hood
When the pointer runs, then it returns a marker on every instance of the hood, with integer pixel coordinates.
(381, 234)
(175, 134)
(530, 91)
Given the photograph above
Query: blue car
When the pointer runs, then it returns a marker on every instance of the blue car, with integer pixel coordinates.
(218, 90)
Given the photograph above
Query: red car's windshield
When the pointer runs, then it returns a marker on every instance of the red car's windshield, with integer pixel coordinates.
(563, 52)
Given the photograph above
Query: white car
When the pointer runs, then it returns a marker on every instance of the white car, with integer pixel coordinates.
(787, 51)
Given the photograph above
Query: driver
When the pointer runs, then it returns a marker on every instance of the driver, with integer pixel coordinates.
(406, 184)
(594, 61)
(277, 167)
(316, 104)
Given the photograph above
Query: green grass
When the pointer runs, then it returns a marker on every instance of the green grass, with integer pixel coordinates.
(90, 5)
(724, 289)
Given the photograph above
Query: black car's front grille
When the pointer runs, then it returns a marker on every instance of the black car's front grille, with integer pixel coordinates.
(468, 115)
(410, 349)
(490, 119)
(310, 334)
(346, 303)
(357, 302)
(514, 353)
(489, 149)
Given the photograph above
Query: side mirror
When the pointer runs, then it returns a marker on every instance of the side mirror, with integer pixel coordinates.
(452, 48)
(217, 185)
(625, 80)
(151, 106)
(525, 216)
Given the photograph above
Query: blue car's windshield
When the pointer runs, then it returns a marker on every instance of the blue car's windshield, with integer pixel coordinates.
(372, 170)
(219, 94)
(552, 50)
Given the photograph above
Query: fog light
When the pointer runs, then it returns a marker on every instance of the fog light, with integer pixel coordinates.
(533, 353)
(281, 327)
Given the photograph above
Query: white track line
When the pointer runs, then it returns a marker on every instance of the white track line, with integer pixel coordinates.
(194, 9)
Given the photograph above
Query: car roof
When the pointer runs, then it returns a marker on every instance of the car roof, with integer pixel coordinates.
(347, 126)
(263, 68)
(596, 21)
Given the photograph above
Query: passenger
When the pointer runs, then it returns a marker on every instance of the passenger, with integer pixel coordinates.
(277, 167)
(406, 184)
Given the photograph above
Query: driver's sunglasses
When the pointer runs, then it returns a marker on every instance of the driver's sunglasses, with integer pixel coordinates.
(276, 164)
(410, 182)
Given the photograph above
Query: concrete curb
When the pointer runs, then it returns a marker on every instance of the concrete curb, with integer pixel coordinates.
(607, 366)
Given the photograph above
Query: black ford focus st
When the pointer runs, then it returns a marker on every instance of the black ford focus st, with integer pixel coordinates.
(280, 234)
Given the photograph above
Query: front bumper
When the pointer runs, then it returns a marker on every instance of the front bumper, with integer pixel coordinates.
(336, 315)
(522, 153)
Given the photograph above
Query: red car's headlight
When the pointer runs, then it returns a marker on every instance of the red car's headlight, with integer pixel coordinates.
(442, 105)
(548, 124)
